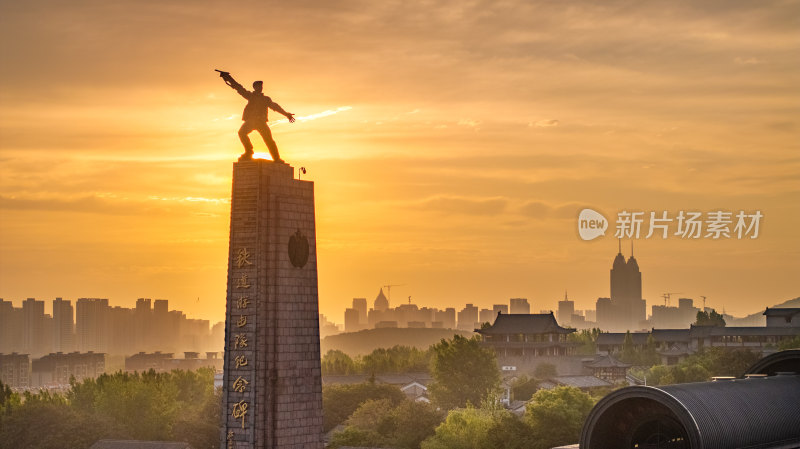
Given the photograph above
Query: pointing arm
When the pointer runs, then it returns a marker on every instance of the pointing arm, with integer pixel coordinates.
(234, 85)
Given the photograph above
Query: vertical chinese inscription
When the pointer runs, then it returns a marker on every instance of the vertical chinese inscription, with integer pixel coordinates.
(241, 336)
(272, 388)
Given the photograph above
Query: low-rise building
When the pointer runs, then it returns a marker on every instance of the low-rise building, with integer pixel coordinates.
(15, 370)
(56, 369)
(609, 369)
(165, 362)
(527, 335)
(786, 317)
(673, 345)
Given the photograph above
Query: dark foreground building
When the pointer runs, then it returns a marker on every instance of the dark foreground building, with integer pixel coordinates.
(761, 411)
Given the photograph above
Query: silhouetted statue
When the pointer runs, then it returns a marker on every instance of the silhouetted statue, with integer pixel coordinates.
(255, 116)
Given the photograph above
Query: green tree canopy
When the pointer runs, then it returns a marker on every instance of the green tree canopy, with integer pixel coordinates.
(397, 359)
(337, 362)
(587, 339)
(379, 423)
(463, 372)
(8, 399)
(629, 353)
(468, 428)
(556, 416)
(340, 401)
(702, 366)
(524, 388)
(175, 406)
(793, 343)
(709, 319)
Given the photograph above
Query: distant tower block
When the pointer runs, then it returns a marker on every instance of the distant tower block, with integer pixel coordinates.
(272, 384)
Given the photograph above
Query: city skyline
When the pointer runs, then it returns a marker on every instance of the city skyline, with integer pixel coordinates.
(452, 146)
(535, 305)
(96, 325)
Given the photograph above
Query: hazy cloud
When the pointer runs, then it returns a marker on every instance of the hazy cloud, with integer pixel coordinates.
(544, 123)
(108, 204)
(543, 210)
(463, 206)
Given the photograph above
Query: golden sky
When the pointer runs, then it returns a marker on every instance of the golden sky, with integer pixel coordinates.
(452, 145)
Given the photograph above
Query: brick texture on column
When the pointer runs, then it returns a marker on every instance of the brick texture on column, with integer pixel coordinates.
(272, 384)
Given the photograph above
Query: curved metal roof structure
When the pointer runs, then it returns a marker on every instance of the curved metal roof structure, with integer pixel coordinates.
(784, 361)
(753, 413)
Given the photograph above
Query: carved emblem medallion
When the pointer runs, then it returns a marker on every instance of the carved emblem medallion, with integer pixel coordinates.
(298, 249)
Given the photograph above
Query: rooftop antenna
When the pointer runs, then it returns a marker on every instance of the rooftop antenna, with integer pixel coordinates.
(619, 240)
(409, 299)
(666, 296)
(565, 294)
(631, 247)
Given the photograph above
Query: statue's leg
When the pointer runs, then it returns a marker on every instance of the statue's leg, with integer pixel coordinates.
(266, 134)
(243, 132)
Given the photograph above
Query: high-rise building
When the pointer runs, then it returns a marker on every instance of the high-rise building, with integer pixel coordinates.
(500, 308)
(144, 324)
(381, 303)
(630, 309)
(11, 328)
(120, 329)
(566, 309)
(487, 316)
(447, 317)
(604, 312)
(92, 324)
(161, 329)
(63, 326)
(360, 304)
(667, 317)
(468, 318)
(352, 321)
(34, 338)
(520, 305)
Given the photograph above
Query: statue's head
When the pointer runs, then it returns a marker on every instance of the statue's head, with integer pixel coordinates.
(258, 85)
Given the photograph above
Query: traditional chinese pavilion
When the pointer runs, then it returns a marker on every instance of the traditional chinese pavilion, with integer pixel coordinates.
(608, 368)
(527, 335)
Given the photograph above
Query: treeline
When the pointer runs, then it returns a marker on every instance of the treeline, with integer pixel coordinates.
(586, 339)
(700, 367)
(397, 359)
(176, 406)
(465, 409)
(383, 418)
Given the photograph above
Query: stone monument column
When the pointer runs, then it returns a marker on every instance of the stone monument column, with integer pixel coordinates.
(272, 384)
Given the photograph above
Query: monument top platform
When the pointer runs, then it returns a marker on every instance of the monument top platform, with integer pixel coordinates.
(280, 168)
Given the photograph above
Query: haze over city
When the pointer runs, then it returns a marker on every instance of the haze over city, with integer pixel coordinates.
(451, 146)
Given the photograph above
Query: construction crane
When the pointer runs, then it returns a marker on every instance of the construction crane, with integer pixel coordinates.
(666, 296)
(389, 291)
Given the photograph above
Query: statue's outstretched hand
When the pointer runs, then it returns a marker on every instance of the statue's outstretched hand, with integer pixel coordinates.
(290, 116)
